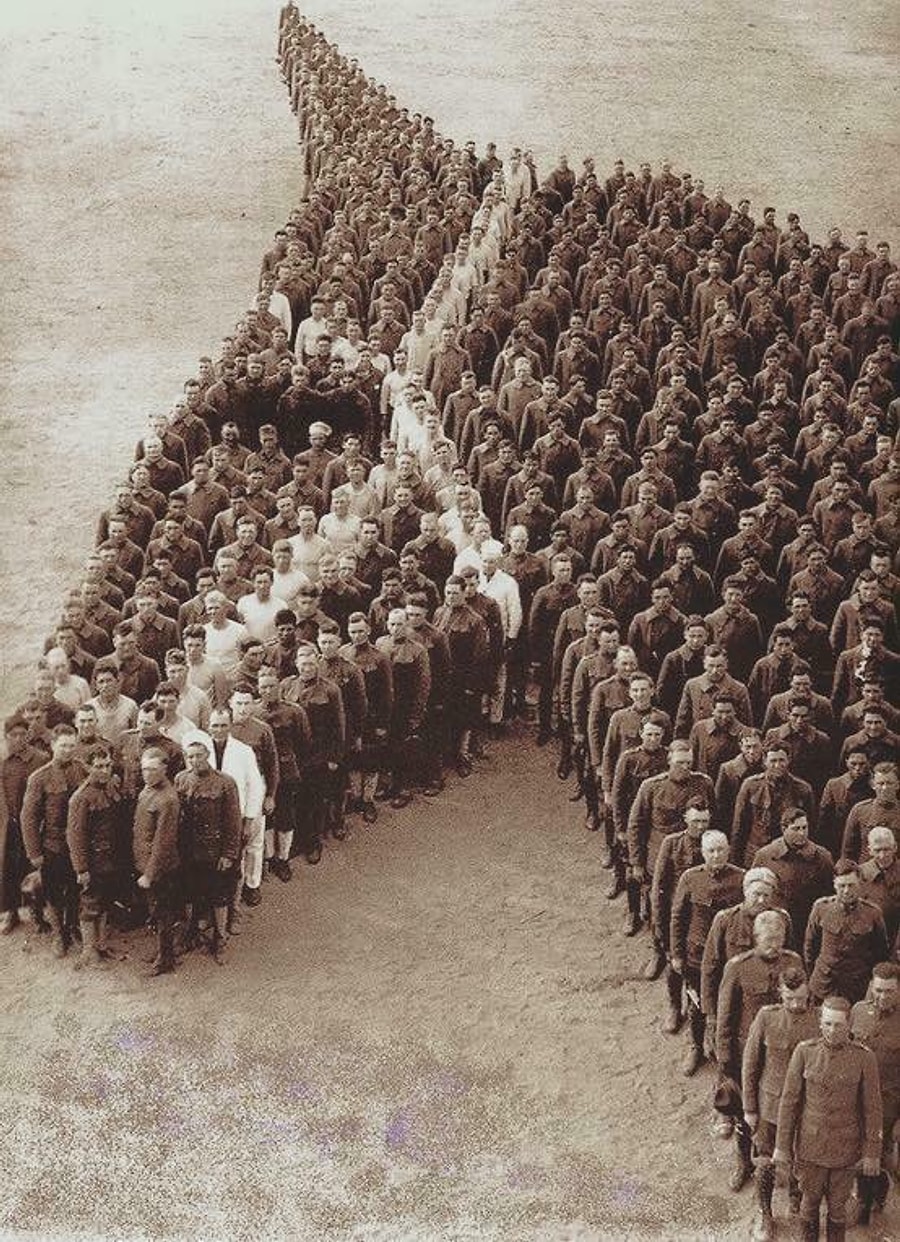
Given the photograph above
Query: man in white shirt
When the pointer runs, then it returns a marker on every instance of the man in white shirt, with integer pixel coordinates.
(223, 636)
(193, 703)
(257, 610)
(287, 579)
(340, 527)
(501, 587)
(116, 712)
(310, 329)
(307, 545)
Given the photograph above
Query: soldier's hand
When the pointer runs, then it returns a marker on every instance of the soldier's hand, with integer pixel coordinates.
(223, 864)
(143, 882)
(578, 738)
(84, 879)
(781, 1157)
(870, 1166)
(607, 799)
(752, 1120)
(332, 766)
(638, 874)
(678, 965)
(37, 862)
(381, 734)
(268, 805)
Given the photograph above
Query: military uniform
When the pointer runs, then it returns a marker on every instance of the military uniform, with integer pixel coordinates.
(44, 816)
(156, 857)
(841, 947)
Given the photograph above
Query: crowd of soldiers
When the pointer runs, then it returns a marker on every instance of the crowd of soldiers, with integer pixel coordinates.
(605, 453)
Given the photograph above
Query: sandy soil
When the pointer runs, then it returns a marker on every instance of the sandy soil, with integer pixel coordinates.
(440, 1032)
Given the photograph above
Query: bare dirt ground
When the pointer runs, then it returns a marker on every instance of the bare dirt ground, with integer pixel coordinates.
(440, 1032)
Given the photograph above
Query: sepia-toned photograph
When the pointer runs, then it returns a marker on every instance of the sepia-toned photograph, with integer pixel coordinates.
(450, 636)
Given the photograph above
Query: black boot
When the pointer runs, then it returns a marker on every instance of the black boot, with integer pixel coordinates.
(632, 923)
(675, 1016)
(743, 1167)
(764, 1230)
(835, 1232)
(865, 1193)
(809, 1230)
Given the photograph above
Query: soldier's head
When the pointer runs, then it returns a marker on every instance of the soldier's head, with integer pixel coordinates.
(154, 769)
(760, 885)
(714, 848)
(219, 723)
(834, 1021)
(680, 759)
(882, 846)
(242, 702)
(196, 756)
(769, 933)
(697, 818)
(793, 988)
(885, 988)
(885, 783)
(640, 689)
(847, 883)
(795, 827)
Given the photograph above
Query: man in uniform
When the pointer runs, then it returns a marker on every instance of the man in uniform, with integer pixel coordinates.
(22, 758)
(845, 938)
(209, 841)
(290, 729)
(44, 814)
(830, 1119)
(803, 869)
(95, 826)
(700, 894)
(774, 1034)
(875, 1022)
(749, 981)
(156, 856)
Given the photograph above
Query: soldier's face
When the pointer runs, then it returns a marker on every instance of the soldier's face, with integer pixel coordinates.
(885, 994)
(835, 1027)
(715, 853)
(796, 1001)
(846, 889)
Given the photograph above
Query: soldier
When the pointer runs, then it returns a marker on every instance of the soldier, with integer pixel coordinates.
(290, 728)
(411, 678)
(774, 1033)
(880, 877)
(632, 769)
(44, 814)
(321, 700)
(156, 856)
(209, 842)
(762, 800)
(882, 810)
(830, 1119)
(336, 667)
(875, 1022)
(246, 727)
(367, 760)
(22, 758)
(678, 852)
(94, 829)
(804, 870)
(658, 810)
(845, 938)
(467, 637)
(749, 981)
(701, 893)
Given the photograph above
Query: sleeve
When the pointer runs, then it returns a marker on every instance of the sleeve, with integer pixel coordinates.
(165, 839)
(637, 828)
(727, 1018)
(270, 767)
(872, 1107)
(594, 729)
(231, 827)
(684, 717)
(753, 1063)
(422, 690)
(711, 968)
(77, 833)
(255, 787)
(740, 828)
(681, 913)
(31, 817)
(661, 888)
(515, 610)
(791, 1097)
(812, 941)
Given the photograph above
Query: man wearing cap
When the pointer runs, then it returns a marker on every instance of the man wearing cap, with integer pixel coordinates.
(830, 1119)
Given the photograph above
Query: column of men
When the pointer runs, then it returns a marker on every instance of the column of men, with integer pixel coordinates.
(637, 466)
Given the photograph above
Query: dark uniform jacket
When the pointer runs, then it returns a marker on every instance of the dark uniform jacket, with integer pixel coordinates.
(830, 1113)
(155, 831)
(95, 823)
(841, 947)
(749, 981)
(46, 805)
(211, 821)
(774, 1034)
(881, 1033)
(658, 809)
(699, 896)
(804, 875)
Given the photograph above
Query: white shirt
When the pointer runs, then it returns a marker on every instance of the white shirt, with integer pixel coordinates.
(72, 692)
(222, 644)
(308, 334)
(308, 553)
(286, 586)
(113, 721)
(258, 615)
(340, 533)
(504, 590)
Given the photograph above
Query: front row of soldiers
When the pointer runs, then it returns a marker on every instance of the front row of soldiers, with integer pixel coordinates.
(824, 1106)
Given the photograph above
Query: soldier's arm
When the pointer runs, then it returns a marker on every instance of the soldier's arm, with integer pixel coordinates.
(684, 717)
(637, 835)
(422, 690)
(164, 838)
(740, 829)
(727, 1017)
(752, 1065)
(872, 1111)
(31, 818)
(77, 834)
(710, 969)
(789, 1107)
(232, 824)
(812, 941)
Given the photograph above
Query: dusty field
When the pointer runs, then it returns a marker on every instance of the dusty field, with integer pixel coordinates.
(440, 1032)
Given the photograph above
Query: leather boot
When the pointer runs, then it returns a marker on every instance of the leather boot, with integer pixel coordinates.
(675, 1016)
(835, 1232)
(220, 935)
(809, 1230)
(632, 923)
(58, 945)
(102, 925)
(764, 1229)
(743, 1167)
(865, 1194)
(165, 959)
(89, 955)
